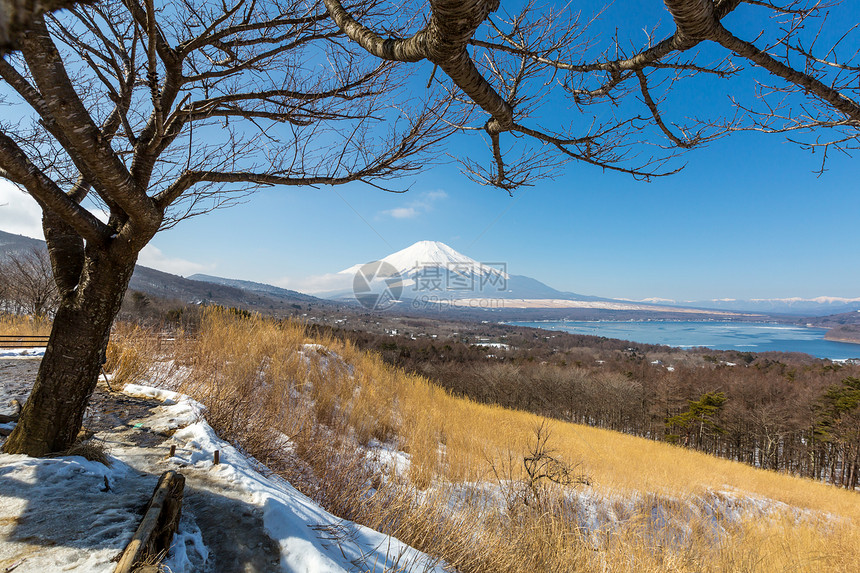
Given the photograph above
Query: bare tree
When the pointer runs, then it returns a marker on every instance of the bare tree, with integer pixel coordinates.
(157, 114)
(154, 115)
(5, 291)
(27, 283)
(804, 70)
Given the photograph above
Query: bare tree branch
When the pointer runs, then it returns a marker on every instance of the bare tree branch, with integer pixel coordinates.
(839, 101)
(73, 119)
(17, 167)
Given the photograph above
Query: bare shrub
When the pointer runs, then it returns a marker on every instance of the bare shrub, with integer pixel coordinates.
(91, 450)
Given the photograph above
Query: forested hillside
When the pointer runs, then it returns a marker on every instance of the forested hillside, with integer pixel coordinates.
(780, 411)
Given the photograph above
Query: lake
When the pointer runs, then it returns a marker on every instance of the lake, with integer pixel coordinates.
(742, 336)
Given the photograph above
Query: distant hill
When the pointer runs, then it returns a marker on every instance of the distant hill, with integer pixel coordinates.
(844, 333)
(789, 307)
(252, 286)
(843, 327)
(166, 285)
(794, 306)
(833, 320)
(14, 244)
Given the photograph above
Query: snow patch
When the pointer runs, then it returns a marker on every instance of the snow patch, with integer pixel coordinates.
(387, 457)
(35, 352)
(324, 358)
(178, 410)
(188, 553)
(66, 513)
(310, 538)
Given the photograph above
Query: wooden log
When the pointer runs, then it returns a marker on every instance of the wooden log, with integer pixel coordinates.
(155, 532)
(6, 418)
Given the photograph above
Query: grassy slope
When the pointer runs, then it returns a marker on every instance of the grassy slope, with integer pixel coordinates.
(250, 372)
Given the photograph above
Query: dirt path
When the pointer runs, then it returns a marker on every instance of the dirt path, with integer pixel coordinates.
(16, 380)
(231, 528)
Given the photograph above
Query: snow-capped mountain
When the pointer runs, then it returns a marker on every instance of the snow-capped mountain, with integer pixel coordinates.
(796, 306)
(432, 268)
(433, 271)
(818, 306)
(418, 259)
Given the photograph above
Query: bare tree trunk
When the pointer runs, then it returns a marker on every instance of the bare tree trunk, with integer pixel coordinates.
(16, 16)
(855, 472)
(52, 416)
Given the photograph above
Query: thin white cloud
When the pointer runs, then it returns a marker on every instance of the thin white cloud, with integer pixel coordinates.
(316, 284)
(421, 204)
(436, 195)
(402, 212)
(152, 256)
(19, 213)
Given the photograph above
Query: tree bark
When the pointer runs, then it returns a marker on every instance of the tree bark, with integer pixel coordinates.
(16, 16)
(53, 415)
(66, 250)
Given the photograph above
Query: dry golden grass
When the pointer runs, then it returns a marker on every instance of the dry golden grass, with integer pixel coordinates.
(24, 325)
(261, 383)
(90, 450)
(130, 353)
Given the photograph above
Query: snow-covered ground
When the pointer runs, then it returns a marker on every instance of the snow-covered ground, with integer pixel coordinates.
(66, 514)
(35, 352)
(70, 514)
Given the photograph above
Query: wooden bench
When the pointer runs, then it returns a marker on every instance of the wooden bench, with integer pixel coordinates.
(22, 341)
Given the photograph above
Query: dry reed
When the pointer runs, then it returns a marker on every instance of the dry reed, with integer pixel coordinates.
(21, 325)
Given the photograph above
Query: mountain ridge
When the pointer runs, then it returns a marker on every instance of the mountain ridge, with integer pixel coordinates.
(794, 306)
(253, 286)
(169, 286)
(412, 261)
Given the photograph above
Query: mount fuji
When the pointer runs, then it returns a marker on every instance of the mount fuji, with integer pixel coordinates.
(430, 273)
(432, 254)
(433, 269)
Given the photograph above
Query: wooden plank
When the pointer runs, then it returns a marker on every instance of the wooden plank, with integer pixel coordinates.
(23, 336)
(22, 341)
(155, 532)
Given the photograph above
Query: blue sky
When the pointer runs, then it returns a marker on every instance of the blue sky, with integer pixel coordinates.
(747, 218)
